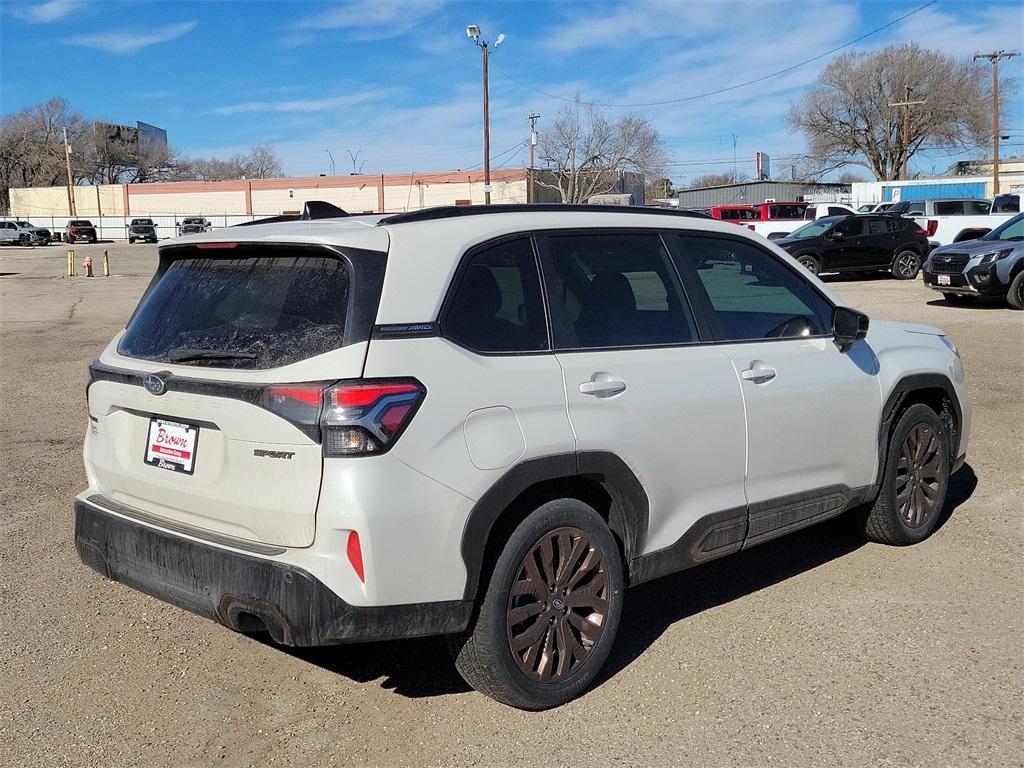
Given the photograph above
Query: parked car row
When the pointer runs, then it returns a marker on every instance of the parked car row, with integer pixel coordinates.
(23, 233)
(83, 230)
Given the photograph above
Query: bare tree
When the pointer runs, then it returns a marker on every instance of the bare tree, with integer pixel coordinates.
(32, 146)
(717, 180)
(586, 152)
(262, 162)
(847, 118)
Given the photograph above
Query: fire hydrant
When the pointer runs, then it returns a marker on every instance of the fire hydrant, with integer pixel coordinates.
(87, 266)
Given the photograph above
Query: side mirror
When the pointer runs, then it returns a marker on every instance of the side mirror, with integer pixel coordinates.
(848, 325)
(837, 235)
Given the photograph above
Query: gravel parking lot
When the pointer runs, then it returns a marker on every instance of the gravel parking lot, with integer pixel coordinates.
(815, 649)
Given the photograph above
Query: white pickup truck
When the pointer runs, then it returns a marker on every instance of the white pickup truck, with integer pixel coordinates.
(951, 220)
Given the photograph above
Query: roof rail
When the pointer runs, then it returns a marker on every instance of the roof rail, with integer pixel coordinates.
(456, 211)
(313, 209)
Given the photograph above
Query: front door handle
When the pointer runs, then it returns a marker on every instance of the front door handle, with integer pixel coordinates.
(758, 372)
(603, 385)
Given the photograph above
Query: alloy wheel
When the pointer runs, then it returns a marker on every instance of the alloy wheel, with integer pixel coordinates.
(919, 477)
(907, 264)
(558, 605)
(811, 265)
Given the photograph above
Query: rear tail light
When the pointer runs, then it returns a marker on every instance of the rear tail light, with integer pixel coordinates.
(920, 231)
(353, 418)
(933, 224)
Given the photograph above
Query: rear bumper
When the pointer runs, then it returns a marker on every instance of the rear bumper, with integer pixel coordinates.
(244, 592)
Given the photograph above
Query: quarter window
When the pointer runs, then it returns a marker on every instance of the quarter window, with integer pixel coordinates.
(616, 290)
(752, 295)
(497, 305)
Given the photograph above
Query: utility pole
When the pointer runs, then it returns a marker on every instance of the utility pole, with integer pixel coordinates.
(994, 57)
(72, 211)
(531, 190)
(473, 33)
(906, 104)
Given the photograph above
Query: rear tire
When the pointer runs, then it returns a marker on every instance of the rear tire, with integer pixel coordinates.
(906, 265)
(909, 503)
(810, 263)
(1015, 296)
(958, 299)
(549, 616)
(131, 241)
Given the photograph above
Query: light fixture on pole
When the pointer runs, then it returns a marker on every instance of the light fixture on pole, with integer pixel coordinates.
(474, 34)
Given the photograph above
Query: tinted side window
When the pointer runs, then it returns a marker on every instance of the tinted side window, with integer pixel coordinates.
(752, 294)
(1006, 204)
(833, 211)
(851, 227)
(949, 208)
(617, 290)
(916, 208)
(786, 211)
(497, 305)
(877, 227)
(979, 207)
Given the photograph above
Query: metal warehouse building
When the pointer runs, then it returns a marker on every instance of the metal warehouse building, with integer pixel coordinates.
(749, 193)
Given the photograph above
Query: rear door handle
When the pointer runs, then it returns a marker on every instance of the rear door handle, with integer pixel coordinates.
(758, 372)
(603, 385)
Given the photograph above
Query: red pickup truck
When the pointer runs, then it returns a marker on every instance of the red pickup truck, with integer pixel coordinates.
(738, 214)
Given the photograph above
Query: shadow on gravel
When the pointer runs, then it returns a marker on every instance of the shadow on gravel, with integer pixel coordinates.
(980, 302)
(854, 277)
(422, 667)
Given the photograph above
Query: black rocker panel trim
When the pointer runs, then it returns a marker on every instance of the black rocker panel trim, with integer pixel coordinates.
(727, 532)
(628, 516)
(898, 396)
(715, 535)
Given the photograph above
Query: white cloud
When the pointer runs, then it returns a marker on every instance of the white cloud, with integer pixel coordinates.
(45, 13)
(370, 19)
(129, 40)
(303, 105)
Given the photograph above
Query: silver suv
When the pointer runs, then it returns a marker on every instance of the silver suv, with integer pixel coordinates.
(488, 422)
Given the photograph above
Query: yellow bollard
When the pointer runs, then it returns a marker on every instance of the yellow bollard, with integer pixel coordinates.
(106, 264)
(71, 262)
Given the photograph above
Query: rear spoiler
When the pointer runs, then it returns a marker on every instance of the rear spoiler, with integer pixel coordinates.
(313, 209)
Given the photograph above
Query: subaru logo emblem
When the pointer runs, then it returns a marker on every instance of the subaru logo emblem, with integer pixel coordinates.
(947, 259)
(154, 384)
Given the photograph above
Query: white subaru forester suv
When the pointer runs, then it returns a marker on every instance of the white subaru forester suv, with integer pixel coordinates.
(487, 422)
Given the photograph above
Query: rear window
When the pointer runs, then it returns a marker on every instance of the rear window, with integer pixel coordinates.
(248, 312)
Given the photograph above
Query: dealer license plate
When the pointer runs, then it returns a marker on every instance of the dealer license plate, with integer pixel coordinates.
(942, 279)
(172, 445)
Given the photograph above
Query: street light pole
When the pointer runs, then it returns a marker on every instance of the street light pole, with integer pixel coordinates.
(994, 57)
(487, 131)
(473, 33)
(333, 172)
(531, 190)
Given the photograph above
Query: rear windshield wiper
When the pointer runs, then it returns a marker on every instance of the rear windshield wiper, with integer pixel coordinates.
(192, 355)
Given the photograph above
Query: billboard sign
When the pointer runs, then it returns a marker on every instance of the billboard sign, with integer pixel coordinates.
(150, 135)
(763, 165)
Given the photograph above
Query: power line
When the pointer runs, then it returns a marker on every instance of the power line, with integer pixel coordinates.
(706, 94)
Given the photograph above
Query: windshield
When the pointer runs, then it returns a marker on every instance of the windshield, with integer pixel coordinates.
(815, 228)
(24, 225)
(148, 222)
(1010, 230)
(81, 223)
(901, 207)
(192, 221)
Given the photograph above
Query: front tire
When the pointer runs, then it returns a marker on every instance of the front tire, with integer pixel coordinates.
(131, 241)
(810, 263)
(1015, 296)
(551, 610)
(71, 240)
(909, 503)
(906, 265)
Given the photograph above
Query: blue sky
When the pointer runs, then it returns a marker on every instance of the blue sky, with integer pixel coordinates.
(399, 83)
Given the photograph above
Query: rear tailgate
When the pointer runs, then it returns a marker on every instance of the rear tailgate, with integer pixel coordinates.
(183, 426)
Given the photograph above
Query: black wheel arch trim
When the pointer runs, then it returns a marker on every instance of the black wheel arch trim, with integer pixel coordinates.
(898, 396)
(627, 515)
